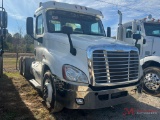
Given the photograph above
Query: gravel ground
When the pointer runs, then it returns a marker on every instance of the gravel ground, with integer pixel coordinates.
(145, 108)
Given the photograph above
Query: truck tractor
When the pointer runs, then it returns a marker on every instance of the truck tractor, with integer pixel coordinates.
(75, 64)
(3, 32)
(145, 35)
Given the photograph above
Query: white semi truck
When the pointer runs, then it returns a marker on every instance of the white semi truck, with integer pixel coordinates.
(3, 32)
(75, 65)
(147, 34)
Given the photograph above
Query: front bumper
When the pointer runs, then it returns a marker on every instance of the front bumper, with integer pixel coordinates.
(94, 99)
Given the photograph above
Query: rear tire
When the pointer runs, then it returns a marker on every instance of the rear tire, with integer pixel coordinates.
(151, 81)
(21, 65)
(49, 93)
(26, 67)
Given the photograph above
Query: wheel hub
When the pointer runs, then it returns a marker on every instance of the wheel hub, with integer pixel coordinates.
(47, 93)
(152, 81)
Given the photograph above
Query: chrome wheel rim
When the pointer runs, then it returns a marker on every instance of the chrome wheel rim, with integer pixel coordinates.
(152, 81)
(47, 93)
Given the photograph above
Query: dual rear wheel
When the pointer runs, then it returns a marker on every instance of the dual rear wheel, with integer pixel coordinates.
(25, 66)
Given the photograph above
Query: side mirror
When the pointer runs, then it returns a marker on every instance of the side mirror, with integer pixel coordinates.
(108, 31)
(67, 30)
(136, 36)
(3, 19)
(29, 26)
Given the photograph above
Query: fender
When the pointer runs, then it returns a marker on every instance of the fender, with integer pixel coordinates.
(150, 59)
(55, 61)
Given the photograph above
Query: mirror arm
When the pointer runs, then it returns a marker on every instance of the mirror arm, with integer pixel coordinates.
(73, 51)
(136, 42)
(32, 37)
(39, 39)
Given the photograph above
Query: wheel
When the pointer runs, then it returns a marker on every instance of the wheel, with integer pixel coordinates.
(26, 66)
(49, 93)
(21, 65)
(151, 82)
(1, 67)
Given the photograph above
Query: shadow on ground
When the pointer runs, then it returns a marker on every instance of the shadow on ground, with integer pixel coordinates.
(11, 105)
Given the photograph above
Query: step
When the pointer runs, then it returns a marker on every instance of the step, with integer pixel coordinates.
(35, 83)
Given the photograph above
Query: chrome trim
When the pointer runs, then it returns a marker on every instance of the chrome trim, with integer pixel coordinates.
(113, 48)
(129, 64)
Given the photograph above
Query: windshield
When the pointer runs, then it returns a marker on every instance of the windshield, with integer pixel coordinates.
(152, 29)
(80, 23)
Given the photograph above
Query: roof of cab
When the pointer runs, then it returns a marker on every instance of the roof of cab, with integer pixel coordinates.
(69, 7)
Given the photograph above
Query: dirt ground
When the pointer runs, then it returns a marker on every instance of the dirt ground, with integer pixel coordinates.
(19, 100)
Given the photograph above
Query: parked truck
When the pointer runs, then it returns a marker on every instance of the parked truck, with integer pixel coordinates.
(3, 32)
(147, 34)
(75, 65)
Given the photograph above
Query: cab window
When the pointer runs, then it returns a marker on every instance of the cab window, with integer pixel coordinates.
(129, 31)
(39, 25)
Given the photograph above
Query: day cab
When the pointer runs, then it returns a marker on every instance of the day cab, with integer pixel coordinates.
(75, 65)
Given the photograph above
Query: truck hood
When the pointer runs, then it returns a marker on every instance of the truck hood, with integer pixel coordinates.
(83, 41)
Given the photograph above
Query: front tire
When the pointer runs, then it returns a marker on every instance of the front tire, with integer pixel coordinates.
(49, 93)
(151, 82)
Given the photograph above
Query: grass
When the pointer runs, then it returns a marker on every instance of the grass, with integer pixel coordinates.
(12, 75)
(9, 63)
(20, 99)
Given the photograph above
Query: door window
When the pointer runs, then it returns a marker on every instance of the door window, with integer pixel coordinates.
(39, 25)
(129, 32)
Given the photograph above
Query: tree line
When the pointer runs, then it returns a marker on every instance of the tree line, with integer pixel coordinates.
(18, 43)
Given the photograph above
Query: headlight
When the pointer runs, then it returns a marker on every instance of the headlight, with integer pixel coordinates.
(73, 74)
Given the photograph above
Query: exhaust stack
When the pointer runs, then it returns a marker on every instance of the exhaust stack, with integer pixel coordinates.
(120, 17)
(120, 27)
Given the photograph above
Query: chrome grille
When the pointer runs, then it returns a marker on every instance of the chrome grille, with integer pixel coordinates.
(113, 66)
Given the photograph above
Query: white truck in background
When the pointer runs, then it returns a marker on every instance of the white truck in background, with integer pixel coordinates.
(145, 35)
(75, 65)
(3, 32)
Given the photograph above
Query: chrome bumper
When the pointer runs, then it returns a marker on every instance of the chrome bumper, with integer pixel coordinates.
(95, 99)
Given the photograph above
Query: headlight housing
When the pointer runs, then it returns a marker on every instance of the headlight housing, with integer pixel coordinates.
(74, 74)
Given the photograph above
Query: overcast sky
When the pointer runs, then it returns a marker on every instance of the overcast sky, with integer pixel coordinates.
(19, 10)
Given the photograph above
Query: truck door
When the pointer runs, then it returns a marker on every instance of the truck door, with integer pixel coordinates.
(127, 37)
(38, 51)
(152, 33)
